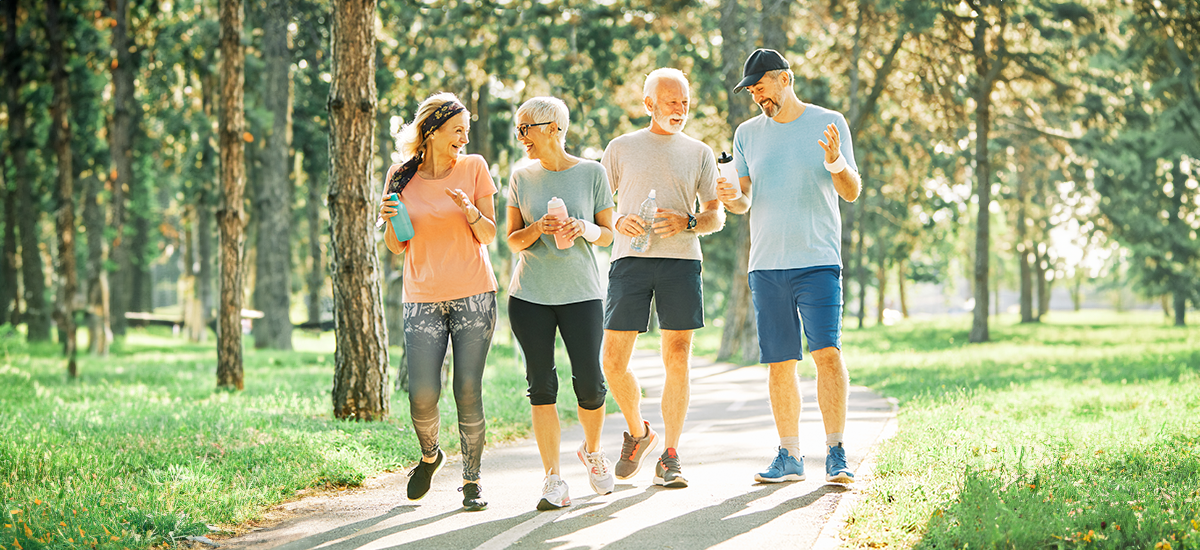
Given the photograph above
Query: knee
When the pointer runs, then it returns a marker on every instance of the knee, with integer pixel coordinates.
(592, 397)
(423, 400)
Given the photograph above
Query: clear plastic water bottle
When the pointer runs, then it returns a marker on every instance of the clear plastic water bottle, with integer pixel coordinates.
(641, 243)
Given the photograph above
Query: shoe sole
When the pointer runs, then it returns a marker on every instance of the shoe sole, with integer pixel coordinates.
(677, 483)
(638, 464)
(840, 478)
(789, 477)
(598, 490)
(436, 469)
(545, 505)
(475, 508)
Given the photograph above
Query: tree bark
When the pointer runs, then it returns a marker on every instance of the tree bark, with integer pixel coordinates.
(739, 337)
(8, 262)
(1040, 268)
(1024, 251)
(1180, 308)
(360, 388)
(272, 281)
(37, 312)
(61, 134)
(120, 145)
(901, 287)
(99, 322)
(231, 217)
(316, 275)
(206, 209)
(987, 68)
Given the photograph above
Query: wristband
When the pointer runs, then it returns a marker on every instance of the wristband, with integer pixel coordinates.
(837, 165)
(591, 231)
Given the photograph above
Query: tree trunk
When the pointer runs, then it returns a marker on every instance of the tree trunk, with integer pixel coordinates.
(231, 218)
(8, 262)
(987, 69)
(1040, 268)
(141, 287)
(1180, 308)
(37, 313)
(360, 388)
(1024, 251)
(206, 209)
(776, 18)
(739, 314)
(881, 279)
(901, 287)
(739, 337)
(316, 275)
(61, 138)
(99, 322)
(860, 271)
(120, 145)
(272, 282)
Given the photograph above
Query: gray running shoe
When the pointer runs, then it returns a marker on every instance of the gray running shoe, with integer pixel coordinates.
(634, 453)
(666, 472)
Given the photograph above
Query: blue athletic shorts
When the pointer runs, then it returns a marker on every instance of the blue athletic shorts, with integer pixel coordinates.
(785, 300)
(673, 283)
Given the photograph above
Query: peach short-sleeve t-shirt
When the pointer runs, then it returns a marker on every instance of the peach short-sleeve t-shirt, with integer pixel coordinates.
(444, 261)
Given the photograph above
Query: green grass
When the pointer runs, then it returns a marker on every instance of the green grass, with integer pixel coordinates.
(142, 448)
(1083, 431)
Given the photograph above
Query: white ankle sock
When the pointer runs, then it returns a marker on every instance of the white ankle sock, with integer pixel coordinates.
(834, 439)
(792, 444)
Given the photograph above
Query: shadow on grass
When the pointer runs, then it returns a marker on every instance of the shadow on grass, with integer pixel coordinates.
(1062, 505)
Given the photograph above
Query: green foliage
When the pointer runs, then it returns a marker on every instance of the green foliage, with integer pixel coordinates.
(1077, 433)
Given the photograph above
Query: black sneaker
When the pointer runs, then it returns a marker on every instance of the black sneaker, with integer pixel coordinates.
(419, 477)
(473, 497)
(667, 473)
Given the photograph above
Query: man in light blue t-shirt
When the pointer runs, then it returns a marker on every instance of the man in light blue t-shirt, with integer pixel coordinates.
(799, 159)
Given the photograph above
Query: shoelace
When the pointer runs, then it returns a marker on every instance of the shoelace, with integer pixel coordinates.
(671, 464)
(470, 490)
(628, 447)
(549, 486)
(597, 462)
(778, 464)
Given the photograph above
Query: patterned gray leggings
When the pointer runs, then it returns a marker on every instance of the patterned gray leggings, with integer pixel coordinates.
(468, 323)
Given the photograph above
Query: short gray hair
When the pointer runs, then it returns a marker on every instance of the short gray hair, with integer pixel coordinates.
(657, 75)
(776, 72)
(548, 109)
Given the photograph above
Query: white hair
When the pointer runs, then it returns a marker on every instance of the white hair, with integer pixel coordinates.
(650, 88)
(548, 109)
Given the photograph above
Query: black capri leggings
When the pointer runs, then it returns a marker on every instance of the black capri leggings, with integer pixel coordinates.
(581, 325)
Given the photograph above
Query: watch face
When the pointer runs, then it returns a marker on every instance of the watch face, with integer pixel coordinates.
(691, 222)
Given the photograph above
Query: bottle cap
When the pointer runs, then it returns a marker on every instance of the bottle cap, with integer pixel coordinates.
(652, 193)
(555, 202)
(724, 158)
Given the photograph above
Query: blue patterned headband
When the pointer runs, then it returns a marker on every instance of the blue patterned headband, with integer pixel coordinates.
(444, 112)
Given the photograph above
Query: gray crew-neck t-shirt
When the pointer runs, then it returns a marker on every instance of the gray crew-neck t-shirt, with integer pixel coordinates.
(678, 168)
(544, 274)
(794, 217)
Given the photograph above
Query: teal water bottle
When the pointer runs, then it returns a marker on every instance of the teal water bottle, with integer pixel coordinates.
(401, 224)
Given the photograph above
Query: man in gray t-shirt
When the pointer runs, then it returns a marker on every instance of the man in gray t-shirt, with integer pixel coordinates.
(681, 171)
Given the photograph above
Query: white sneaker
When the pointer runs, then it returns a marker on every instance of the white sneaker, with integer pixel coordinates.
(599, 469)
(554, 494)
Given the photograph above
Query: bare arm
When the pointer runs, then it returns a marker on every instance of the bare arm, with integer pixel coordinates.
(710, 219)
(846, 182)
(726, 194)
(481, 217)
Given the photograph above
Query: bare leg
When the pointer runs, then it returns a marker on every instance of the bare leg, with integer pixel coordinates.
(618, 349)
(833, 387)
(593, 423)
(785, 398)
(676, 354)
(548, 434)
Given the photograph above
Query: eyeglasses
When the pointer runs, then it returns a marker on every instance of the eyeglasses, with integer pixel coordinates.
(523, 129)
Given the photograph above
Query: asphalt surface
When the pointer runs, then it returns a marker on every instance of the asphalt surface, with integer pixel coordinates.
(729, 435)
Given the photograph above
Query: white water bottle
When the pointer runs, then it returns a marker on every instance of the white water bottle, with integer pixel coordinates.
(729, 172)
(641, 243)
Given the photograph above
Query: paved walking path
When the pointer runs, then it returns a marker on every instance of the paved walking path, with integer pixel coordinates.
(729, 435)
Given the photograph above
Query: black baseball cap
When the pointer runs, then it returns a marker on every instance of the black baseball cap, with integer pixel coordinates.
(759, 62)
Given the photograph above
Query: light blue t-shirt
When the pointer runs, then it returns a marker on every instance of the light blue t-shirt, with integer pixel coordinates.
(794, 217)
(544, 274)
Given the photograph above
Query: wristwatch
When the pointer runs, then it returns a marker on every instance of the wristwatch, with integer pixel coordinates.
(691, 221)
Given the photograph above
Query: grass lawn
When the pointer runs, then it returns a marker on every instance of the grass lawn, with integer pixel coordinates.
(1082, 431)
(142, 448)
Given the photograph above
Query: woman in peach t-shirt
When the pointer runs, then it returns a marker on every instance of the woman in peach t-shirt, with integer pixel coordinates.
(449, 287)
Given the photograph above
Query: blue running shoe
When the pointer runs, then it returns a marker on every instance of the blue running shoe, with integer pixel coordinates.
(836, 470)
(785, 467)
